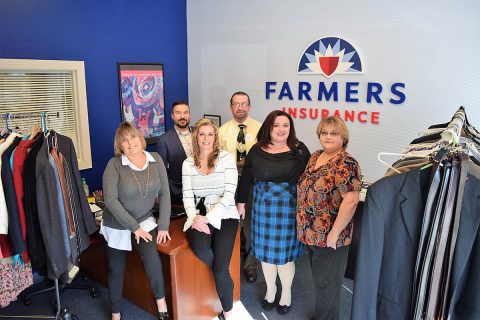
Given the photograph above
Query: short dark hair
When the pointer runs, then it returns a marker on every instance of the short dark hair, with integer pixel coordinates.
(239, 93)
(263, 136)
(176, 103)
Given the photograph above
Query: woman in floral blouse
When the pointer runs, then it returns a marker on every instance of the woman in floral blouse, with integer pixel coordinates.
(328, 193)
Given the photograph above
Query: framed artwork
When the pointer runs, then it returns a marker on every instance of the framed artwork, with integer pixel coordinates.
(142, 97)
(216, 119)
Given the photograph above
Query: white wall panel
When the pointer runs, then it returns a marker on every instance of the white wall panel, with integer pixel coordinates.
(431, 46)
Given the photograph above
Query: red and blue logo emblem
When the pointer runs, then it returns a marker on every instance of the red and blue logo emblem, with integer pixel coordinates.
(330, 56)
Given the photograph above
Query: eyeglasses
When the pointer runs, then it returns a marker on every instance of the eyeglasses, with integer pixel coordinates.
(238, 104)
(333, 134)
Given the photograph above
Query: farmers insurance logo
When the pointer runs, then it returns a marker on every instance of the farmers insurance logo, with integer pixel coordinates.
(352, 99)
(330, 56)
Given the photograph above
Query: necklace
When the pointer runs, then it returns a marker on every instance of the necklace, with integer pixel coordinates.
(138, 183)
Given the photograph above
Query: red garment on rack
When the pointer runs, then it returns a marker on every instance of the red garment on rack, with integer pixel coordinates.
(5, 250)
(19, 156)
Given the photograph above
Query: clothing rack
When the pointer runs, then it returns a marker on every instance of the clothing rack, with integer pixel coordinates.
(454, 129)
(450, 137)
(61, 314)
(437, 237)
(44, 117)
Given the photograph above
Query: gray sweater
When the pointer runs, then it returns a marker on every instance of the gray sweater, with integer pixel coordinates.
(124, 206)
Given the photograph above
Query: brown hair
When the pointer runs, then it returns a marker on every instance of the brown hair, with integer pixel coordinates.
(126, 129)
(263, 135)
(196, 150)
(339, 124)
(239, 93)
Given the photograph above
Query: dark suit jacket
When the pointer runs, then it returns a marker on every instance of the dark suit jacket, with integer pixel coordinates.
(48, 206)
(389, 238)
(464, 290)
(171, 150)
(391, 226)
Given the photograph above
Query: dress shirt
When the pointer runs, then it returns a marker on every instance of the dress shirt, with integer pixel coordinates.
(228, 134)
(186, 140)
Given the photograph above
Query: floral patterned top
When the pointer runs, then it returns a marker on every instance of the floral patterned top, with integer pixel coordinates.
(320, 193)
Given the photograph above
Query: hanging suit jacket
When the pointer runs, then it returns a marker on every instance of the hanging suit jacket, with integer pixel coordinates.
(48, 206)
(388, 248)
(391, 226)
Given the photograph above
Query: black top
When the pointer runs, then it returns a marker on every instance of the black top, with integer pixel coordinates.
(36, 248)
(272, 167)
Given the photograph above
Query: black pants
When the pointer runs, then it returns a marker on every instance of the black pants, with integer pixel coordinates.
(250, 260)
(215, 249)
(328, 268)
(116, 269)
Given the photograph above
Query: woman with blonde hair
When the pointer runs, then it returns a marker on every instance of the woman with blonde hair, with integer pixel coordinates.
(209, 179)
(132, 180)
(328, 193)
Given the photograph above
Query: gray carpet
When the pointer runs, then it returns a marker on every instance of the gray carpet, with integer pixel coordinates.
(84, 307)
(303, 300)
(79, 303)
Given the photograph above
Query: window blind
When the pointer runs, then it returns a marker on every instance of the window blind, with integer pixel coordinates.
(56, 87)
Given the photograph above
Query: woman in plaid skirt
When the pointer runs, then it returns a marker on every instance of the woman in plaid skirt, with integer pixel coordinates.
(273, 167)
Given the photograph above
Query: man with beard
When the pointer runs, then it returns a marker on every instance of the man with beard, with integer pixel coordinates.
(175, 146)
(237, 136)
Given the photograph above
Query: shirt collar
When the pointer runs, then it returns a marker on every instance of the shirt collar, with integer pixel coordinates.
(127, 162)
(183, 133)
(244, 122)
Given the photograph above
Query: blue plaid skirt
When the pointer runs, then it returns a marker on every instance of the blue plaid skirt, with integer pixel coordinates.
(273, 232)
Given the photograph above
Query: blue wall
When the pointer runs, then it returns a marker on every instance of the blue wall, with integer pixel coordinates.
(101, 33)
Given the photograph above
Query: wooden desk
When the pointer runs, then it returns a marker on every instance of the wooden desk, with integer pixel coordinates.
(189, 283)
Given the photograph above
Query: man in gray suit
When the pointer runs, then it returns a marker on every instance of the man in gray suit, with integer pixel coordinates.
(175, 146)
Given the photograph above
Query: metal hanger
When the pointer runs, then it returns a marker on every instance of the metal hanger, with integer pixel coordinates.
(403, 155)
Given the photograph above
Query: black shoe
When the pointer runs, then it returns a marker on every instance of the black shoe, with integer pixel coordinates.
(163, 316)
(268, 305)
(250, 275)
(221, 316)
(283, 309)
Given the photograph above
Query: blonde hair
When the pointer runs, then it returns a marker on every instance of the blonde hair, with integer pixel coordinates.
(126, 129)
(196, 150)
(339, 124)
